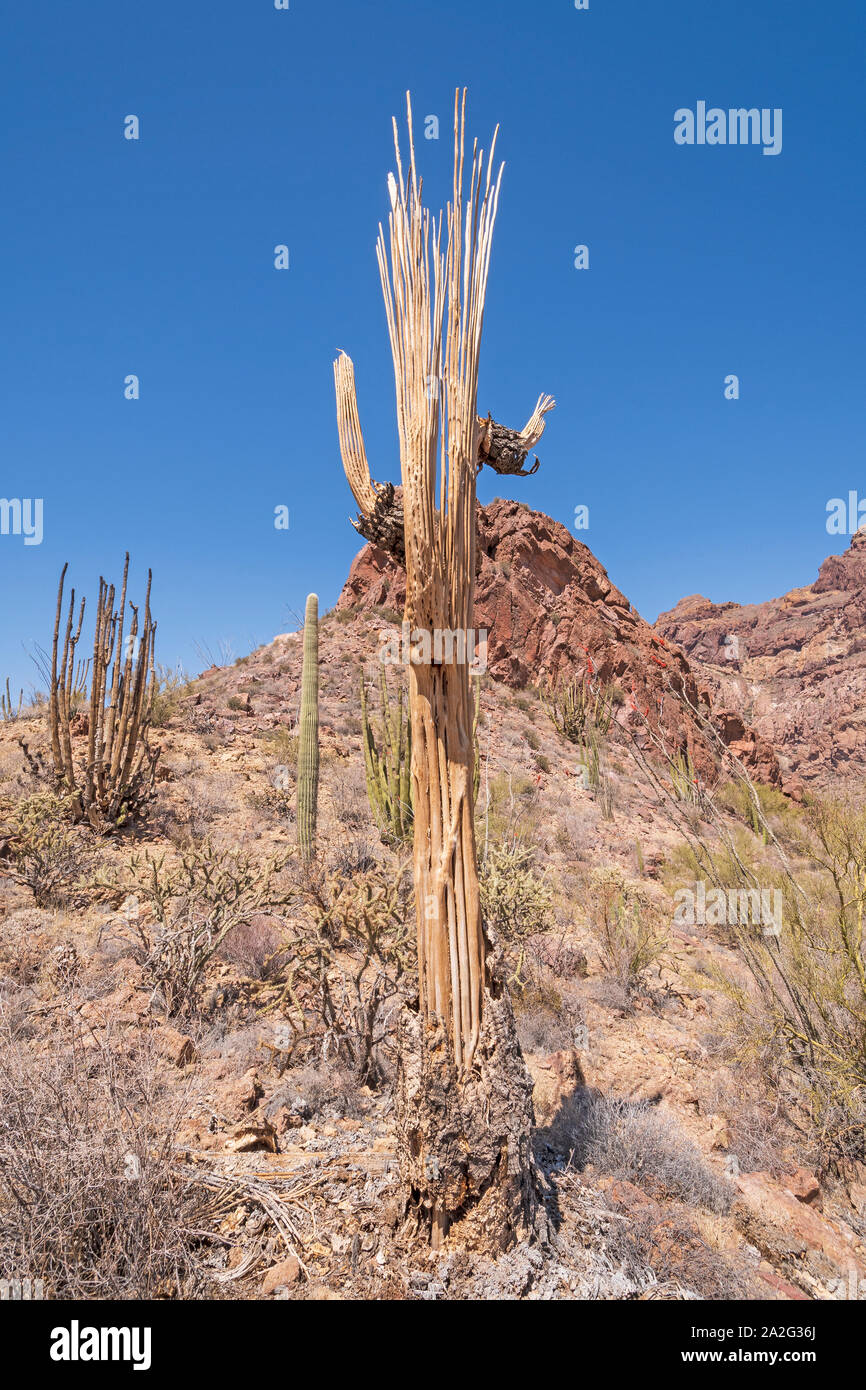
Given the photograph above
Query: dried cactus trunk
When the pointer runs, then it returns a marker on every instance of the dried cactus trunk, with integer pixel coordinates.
(463, 1098)
(387, 771)
(115, 780)
(308, 747)
(9, 711)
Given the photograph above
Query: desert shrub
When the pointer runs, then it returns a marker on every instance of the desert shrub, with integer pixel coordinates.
(237, 703)
(763, 1135)
(284, 748)
(348, 788)
(626, 925)
(798, 992)
(43, 852)
(182, 911)
(352, 856)
(574, 837)
(275, 802)
(805, 996)
(641, 1143)
(681, 1261)
(253, 947)
(548, 1018)
(515, 899)
(170, 686)
(388, 615)
(325, 1090)
(772, 804)
(202, 801)
(347, 954)
(558, 953)
(508, 809)
(89, 1200)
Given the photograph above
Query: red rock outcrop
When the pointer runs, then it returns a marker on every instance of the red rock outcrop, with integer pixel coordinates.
(792, 669)
(551, 612)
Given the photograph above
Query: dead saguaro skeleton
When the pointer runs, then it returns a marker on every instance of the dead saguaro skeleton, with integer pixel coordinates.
(463, 1095)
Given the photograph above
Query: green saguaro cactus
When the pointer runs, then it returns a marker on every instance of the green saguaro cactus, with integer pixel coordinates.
(308, 743)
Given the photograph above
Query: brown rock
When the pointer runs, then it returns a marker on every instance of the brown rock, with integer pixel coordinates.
(718, 1135)
(782, 1287)
(281, 1275)
(249, 1136)
(857, 1196)
(125, 1004)
(804, 1186)
(552, 613)
(555, 1079)
(785, 1229)
(799, 669)
(242, 1095)
(174, 1046)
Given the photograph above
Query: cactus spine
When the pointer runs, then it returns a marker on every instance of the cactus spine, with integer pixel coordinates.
(308, 745)
(389, 787)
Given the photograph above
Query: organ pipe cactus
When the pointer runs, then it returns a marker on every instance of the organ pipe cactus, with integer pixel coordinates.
(387, 767)
(308, 744)
(103, 763)
(389, 785)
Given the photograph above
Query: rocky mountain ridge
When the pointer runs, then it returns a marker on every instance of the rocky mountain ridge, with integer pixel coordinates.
(792, 668)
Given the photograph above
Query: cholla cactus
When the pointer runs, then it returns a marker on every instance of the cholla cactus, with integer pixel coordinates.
(308, 745)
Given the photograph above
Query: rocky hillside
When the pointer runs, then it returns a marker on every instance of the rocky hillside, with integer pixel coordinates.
(672, 1168)
(551, 612)
(794, 668)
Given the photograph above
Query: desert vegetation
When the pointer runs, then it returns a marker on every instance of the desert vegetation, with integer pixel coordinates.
(410, 986)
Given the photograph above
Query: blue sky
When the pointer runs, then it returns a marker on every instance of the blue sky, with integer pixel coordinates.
(259, 127)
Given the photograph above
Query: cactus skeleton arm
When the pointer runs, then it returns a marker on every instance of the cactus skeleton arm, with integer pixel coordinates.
(380, 516)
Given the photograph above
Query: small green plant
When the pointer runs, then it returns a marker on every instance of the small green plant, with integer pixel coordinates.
(387, 759)
(580, 706)
(684, 779)
(756, 804)
(626, 925)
